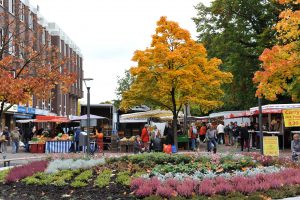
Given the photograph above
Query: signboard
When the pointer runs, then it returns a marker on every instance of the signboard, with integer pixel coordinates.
(291, 117)
(14, 108)
(83, 122)
(22, 109)
(271, 146)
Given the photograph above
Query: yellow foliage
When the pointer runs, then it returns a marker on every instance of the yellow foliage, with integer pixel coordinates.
(174, 71)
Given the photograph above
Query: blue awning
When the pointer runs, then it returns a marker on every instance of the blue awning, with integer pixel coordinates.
(23, 116)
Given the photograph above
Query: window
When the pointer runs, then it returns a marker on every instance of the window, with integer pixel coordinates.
(11, 47)
(11, 6)
(30, 20)
(1, 37)
(22, 12)
(44, 37)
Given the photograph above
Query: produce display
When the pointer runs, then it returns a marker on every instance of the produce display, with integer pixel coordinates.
(127, 140)
(41, 139)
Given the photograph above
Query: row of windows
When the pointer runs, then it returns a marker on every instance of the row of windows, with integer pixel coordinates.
(12, 10)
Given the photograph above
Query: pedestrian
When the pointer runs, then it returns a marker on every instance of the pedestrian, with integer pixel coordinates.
(220, 130)
(157, 145)
(295, 146)
(5, 136)
(235, 133)
(227, 131)
(244, 137)
(15, 138)
(168, 132)
(211, 137)
(145, 137)
(28, 134)
(138, 146)
(76, 139)
(202, 131)
(193, 136)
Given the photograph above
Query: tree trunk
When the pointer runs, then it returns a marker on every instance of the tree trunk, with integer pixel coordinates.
(174, 124)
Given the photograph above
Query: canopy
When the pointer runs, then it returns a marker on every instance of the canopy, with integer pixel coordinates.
(150, 114)
(274, 108)
(84, 117)
(24, 121)
(240, 114)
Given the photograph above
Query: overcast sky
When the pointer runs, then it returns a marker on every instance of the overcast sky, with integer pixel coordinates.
(109, 31)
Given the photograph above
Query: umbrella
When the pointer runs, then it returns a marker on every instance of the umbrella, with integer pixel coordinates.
(84, 117)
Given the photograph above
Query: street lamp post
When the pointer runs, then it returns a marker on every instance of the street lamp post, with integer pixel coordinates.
(261, 135)
(88, 113)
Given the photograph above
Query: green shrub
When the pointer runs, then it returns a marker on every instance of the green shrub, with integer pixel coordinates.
(3, 174)
(40, 178)
(77, 184)
(59, 182)
(138, 174)
(103, 179)
(84, 176)
(123, 178)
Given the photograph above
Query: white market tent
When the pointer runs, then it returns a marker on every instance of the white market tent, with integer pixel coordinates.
(143, 116)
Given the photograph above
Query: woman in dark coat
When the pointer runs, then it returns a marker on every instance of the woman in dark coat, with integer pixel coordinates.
(244, 137)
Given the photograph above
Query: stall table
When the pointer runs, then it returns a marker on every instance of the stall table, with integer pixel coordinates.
(58, 146)
(35, 147)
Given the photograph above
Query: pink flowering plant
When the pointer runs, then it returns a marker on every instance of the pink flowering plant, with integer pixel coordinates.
(143, 187)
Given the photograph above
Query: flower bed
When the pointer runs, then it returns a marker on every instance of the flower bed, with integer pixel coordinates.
(157, 176)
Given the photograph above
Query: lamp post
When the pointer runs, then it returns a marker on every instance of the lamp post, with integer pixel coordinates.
(88, 114)
(261, 135)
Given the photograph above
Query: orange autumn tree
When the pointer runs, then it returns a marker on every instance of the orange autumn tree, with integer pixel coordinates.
(281, 65)
(174, 71)
(28, 67)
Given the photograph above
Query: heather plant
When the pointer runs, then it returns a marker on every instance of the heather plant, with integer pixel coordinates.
(165, 191)
(58, 165)
(18, 173)
(84, 176)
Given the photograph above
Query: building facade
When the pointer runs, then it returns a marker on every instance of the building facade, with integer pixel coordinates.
(17, 13)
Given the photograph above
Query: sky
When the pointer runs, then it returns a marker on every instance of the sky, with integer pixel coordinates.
(109, 31)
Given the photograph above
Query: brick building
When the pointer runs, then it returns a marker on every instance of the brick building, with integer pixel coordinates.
(23, 14)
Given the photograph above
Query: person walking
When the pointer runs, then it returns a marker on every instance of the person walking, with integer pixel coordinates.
(193, 136)
(168, 132)
(15, 138)
(5, 136)
(220, 130)
(145, 137)
(244, 137)
(227, 131)
(27, 137)
(235, 133)
(211, 136)
(202, 131)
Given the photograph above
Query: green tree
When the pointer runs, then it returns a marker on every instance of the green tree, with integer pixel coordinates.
(124, 84)
(237, 32)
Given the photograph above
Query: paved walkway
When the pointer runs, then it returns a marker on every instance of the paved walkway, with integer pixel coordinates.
(22, 154)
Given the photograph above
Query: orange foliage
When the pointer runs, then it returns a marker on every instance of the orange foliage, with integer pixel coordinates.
(26, 71)
(280, 69)
(175, 71)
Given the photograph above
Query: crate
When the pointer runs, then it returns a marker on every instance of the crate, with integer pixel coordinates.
(33, 148)
(40, 148)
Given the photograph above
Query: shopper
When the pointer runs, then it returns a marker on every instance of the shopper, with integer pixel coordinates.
(244, 137)
(295, 146)
(227, 131)
(6, 137)
(202, 131)
(145, 137)
(220, 130)
(138, 146)
(193, 136)
(211, 136)
(15, 138)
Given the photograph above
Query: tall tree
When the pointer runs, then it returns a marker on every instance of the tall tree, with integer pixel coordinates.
(124, 84)
(281, 64)
(237, 31)
(175, 71)
(26, 68)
